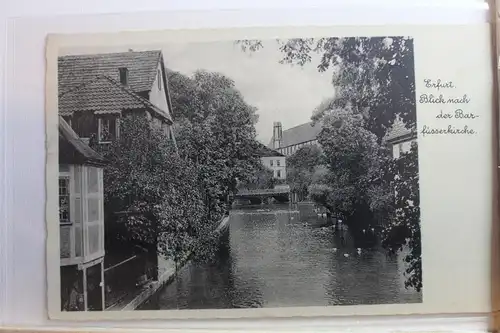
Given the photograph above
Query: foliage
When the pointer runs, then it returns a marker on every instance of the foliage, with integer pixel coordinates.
(405, 227)
(354, 181)
(372, 76)
(261, 178)
(215, 132)
(306, 157)
(156, 191)
(302, 168)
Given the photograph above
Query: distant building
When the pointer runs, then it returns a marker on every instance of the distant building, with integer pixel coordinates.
(273, 160)
(400, 138)
(287, 142)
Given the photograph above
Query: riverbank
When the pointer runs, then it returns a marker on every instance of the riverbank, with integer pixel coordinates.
(281, 255)
(166, 274)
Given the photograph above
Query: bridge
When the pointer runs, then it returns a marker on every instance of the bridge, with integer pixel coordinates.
(280, 194)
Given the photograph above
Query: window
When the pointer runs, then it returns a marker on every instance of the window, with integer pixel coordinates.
(278, 162)
(64, 216)
(271, 162)
(278, 173)
(159, 80)
(400, 147)
(123, 75)
(84, 124)
(107, 129)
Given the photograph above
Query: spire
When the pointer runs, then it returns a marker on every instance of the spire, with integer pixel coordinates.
(277, 135)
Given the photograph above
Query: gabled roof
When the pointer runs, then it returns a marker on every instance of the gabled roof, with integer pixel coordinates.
(75, 69)
(299, 134)
(104, 95)
(398, 131)
(72, 150)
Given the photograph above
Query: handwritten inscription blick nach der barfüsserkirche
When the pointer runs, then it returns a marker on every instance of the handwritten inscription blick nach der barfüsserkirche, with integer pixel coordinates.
(452, 109)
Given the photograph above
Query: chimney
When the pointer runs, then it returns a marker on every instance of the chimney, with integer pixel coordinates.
(277, 134)
(123, 75)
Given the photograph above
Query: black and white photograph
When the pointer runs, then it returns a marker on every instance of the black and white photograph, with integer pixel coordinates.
(239, 174)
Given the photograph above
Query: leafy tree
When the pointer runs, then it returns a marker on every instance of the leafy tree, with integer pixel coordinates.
(353, 186)
(261, 178)
(306, 157)
(215, 132)
(157, 191)
(302, 167)
(374, 76)
(404, 229)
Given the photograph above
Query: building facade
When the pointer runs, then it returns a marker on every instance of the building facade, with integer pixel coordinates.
(274, 161)
(81, 223)
(287, 142)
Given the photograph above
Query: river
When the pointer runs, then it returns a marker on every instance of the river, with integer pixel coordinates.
(283, 255)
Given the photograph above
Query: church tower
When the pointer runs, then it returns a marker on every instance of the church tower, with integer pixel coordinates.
(277, 135)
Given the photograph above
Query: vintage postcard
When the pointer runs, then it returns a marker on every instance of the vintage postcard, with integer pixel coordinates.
(269, 172)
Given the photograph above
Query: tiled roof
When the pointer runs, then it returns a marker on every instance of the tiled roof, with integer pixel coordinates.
(72, 150)
(299, 134)
(76, 69)
(104, 95)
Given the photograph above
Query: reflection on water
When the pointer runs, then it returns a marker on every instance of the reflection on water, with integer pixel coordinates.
(285, 256)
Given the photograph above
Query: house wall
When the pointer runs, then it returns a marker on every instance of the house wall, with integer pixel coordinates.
(82, 237)
(157, 95)
(401, 147)
(278, 170)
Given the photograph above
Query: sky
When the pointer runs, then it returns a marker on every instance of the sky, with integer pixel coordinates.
(281, 92)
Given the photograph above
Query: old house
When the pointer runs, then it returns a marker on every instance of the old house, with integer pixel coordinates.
(95, 93)
(81, 220)
(97, 90)
(274, 161)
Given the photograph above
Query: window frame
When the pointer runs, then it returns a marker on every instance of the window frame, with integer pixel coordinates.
(100, 126)
(67, 177)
